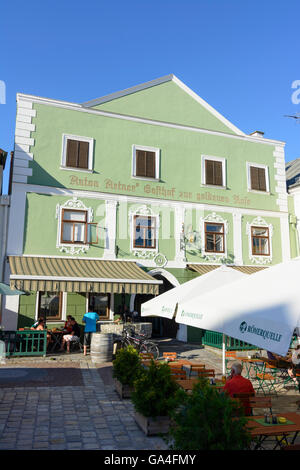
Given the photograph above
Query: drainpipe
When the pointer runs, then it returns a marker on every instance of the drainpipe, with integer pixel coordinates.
(5, 202)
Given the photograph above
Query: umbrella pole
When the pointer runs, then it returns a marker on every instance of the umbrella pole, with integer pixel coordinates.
(223, 356)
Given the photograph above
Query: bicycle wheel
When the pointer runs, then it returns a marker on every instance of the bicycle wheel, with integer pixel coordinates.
(150, 348)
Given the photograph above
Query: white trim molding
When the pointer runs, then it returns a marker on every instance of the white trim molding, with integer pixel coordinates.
(213, 218)
(280, 177)
(259, 259)
(204, 158)
(73, 204)
(90, 140)
(267, 179)
(156, 150)
(144, 253)
(23, 141)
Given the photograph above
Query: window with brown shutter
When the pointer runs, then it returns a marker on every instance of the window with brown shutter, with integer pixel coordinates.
(145, 163)
(77, 154)
(258, 178)
(213, 172)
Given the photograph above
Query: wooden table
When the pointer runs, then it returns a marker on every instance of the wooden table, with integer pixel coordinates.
(188, 384)
(283, 431)
(56, 336)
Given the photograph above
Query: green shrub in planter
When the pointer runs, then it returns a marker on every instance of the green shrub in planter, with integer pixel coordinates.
(207, 420)
(156, 393)
(127, 366)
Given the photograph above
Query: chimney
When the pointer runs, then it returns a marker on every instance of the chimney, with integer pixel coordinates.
(257, 134)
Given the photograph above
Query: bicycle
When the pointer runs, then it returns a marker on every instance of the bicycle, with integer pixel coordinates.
(138, 341)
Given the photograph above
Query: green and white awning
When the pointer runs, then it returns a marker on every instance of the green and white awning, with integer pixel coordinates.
(30, 273)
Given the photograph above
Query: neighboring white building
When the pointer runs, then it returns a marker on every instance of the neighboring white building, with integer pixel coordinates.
(293, 186)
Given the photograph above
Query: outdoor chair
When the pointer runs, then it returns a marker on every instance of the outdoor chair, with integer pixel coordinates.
(244, 399)
(265, 382)
(146, 356)
(76, 345)
(205, 373)
(170, 356)
(196, 368)
(261, 402)
(230, 356)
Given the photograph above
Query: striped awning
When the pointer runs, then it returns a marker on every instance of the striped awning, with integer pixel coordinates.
(32, 273)
(206, 268)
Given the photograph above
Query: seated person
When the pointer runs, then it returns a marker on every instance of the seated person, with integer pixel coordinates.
(236, 384)
(74, 335)
(290, 359)
(40, 325)
(68, 325)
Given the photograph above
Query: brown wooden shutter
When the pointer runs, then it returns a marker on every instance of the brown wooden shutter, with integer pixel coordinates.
(72, 152)
(150, 164)
(140, 163)
(254, 178)
(262, 179)
(209, 172)
(218, 180)
(213, 173)
(83, 155)
(258, 178)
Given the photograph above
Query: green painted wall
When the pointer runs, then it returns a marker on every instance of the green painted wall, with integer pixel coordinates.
(41, 224)
(166, 102)
(181, 151)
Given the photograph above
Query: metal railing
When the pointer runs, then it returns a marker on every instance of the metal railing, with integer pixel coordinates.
(214, 339)
(24, 343)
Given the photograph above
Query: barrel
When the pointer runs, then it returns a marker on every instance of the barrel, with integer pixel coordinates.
(102, 347)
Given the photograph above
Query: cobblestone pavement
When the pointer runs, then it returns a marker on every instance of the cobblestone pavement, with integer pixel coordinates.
(65, 402)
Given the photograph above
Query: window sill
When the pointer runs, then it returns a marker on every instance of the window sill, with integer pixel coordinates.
(145, 178)
(81, 170)
(213, 186)
(256, 191)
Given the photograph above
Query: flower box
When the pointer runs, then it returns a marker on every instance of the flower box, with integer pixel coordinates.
(153, 426)
(124, 391)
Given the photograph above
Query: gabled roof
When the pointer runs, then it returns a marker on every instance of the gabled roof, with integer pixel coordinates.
(160, 81)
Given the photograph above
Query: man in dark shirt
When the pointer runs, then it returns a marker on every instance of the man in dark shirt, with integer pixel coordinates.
(74, 335)
(237, 384)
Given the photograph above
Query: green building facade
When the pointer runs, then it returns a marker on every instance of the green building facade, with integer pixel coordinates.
(122, 197)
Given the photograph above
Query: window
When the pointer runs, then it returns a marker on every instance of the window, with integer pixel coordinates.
(77, 153)
(76, 229)
(214, 238)
(144, 232)
(213, 171)
(50, 305)
(145, 162)
(260, 241)
(100, 304)
(258, 179)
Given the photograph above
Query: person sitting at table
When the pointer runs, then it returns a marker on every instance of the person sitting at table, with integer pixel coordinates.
(73, 336)
(68, 324)
(40, 325)
(282, 362)
(237, 384)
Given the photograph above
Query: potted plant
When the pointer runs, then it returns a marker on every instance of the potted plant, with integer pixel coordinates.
(127, 368)
(155, 396)
(208, 420)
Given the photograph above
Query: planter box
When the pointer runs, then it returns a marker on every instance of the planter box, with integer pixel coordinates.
(153, 426)
(124, 391)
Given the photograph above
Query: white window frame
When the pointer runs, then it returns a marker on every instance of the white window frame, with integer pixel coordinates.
(63, 308)
(203, 172)
(90, 140)
(156, 150)
(258, 165)
(73, 204)
(143, 211)
(259, 259)
(213, 218)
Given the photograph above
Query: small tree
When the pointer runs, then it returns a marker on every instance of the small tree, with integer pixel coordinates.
(156, 393)
(127, 366)
(209, 420)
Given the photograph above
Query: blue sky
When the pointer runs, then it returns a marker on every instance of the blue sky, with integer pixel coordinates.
(242, 57)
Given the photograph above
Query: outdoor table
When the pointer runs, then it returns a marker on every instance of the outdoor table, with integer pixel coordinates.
(188, 384)
(56, 336)
(261, 431)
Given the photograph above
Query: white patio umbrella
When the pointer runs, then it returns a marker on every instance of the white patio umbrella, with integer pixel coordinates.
(164, 305)
(262, 309)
